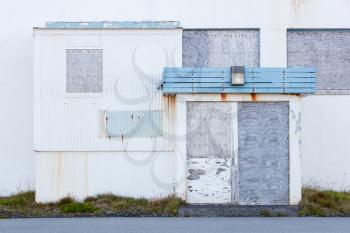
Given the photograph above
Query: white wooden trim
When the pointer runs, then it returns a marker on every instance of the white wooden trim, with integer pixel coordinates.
(294, 152)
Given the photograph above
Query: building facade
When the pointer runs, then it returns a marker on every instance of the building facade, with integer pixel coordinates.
(272, 33)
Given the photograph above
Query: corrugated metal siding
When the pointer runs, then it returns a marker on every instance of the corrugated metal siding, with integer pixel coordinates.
(73, 121)
(263, 154)
(326, 50)
(220, 48)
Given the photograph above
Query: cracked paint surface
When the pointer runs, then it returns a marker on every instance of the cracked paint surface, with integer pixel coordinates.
(208, 180)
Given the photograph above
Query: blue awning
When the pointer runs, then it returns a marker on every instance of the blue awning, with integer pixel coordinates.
(257, 80)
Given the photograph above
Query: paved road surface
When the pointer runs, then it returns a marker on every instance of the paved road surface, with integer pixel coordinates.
(176, 225)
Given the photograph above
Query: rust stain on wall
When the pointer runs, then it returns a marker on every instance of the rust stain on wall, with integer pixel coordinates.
(170, 105)
(86, 173)
(58, 174)
(254, 97)
(223, 96)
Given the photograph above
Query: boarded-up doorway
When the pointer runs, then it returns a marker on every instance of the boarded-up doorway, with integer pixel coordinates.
(209, 152)
(256, 172)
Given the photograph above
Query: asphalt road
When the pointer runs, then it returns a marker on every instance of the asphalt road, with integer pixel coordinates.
(176, 225)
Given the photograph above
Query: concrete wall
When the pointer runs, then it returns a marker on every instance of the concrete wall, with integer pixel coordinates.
(325, 141)
(272, 17)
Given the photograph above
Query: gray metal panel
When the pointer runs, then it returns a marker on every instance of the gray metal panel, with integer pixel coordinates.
(263, 153)
(327, 50)
(134, 123)
(220, 48)
(84, 70)
(209, 129)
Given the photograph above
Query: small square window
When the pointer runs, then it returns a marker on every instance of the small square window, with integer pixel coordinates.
(84, 71)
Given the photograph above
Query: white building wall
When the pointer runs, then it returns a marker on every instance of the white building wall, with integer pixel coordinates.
(132, 62)
(17, 18)
(82, 174)
(326, 141)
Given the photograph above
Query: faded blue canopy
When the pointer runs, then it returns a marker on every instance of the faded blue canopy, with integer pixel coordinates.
(256, 80)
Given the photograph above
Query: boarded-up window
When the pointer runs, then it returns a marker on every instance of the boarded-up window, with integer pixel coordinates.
(84, 71)
(209, 129)
(220, 48)
(326, 50)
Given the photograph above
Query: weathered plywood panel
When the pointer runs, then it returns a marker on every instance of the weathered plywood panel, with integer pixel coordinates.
(209, 129)
(208, 180)
(263, 161)
(220, 48)
(84, 70)
(327, 50)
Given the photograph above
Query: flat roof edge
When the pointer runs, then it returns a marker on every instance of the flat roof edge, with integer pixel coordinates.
(114, 25)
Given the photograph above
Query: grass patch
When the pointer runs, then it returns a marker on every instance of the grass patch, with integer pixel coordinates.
(18, 200)
(23, 205)
(65, 201)
(77, 208)
(324, 203)
(266, 213)
(137, 206)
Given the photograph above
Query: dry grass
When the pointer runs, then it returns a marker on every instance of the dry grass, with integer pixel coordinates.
(23, 205)
(324, 203)
(314, 203)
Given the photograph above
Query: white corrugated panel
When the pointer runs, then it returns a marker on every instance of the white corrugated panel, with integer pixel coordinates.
(133, 61)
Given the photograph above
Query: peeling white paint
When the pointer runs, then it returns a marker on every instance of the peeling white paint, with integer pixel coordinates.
(209, 180)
